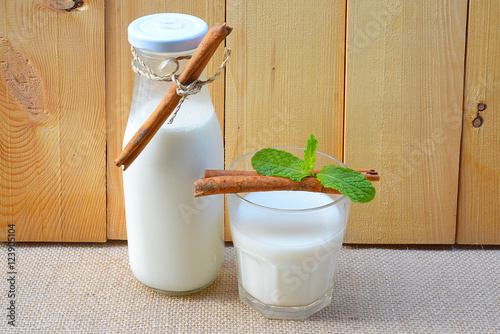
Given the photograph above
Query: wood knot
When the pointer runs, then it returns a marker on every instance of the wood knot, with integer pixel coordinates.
(477, 122)
(66, 5)
(76, 4)
(21, 78)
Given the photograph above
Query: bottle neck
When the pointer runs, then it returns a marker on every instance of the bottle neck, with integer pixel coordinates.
(147, 90)
(154, 59)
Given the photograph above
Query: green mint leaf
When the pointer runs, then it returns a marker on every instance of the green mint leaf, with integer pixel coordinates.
(273, 162)
(310, 155)
(349, 182)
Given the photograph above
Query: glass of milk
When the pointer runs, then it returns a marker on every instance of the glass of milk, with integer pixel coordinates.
(287, 245)
(175, 241)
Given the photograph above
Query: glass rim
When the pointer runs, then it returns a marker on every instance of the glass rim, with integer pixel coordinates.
(341, 199)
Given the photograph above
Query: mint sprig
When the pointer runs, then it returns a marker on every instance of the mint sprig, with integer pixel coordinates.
(351, 183)
(310, 155)
(273, 162)
(348, 181)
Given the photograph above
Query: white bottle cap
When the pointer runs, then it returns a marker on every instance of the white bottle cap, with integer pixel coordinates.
(167, 32)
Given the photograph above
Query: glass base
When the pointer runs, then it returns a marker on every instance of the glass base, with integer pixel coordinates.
(179, 293)
(285, 312)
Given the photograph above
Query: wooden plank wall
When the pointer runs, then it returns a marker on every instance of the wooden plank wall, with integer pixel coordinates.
(479, 200)
(286, 77)
(52, 121)
(404, 86)
(380, 83)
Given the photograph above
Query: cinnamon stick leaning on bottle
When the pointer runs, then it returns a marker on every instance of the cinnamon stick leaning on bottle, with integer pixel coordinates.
(234, 181)
(193, 70)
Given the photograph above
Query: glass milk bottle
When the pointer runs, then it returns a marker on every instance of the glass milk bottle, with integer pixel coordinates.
(175, 242)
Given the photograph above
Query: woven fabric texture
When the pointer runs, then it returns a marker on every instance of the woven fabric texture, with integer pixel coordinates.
(89, 288)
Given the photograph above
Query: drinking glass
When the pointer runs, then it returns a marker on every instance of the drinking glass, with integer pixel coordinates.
(287, 245)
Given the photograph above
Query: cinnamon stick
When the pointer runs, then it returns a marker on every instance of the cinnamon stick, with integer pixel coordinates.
(244, 183)
(193, 69)
(370, 174)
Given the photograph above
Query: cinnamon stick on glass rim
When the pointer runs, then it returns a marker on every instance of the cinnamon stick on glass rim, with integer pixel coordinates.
(234, 181)
(370, 174)
(193, 70)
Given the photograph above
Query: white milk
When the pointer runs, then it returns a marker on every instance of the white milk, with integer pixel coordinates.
(286, 258)
(175, 242)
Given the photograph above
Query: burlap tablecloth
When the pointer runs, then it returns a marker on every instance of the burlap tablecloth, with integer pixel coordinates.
(89, 288)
